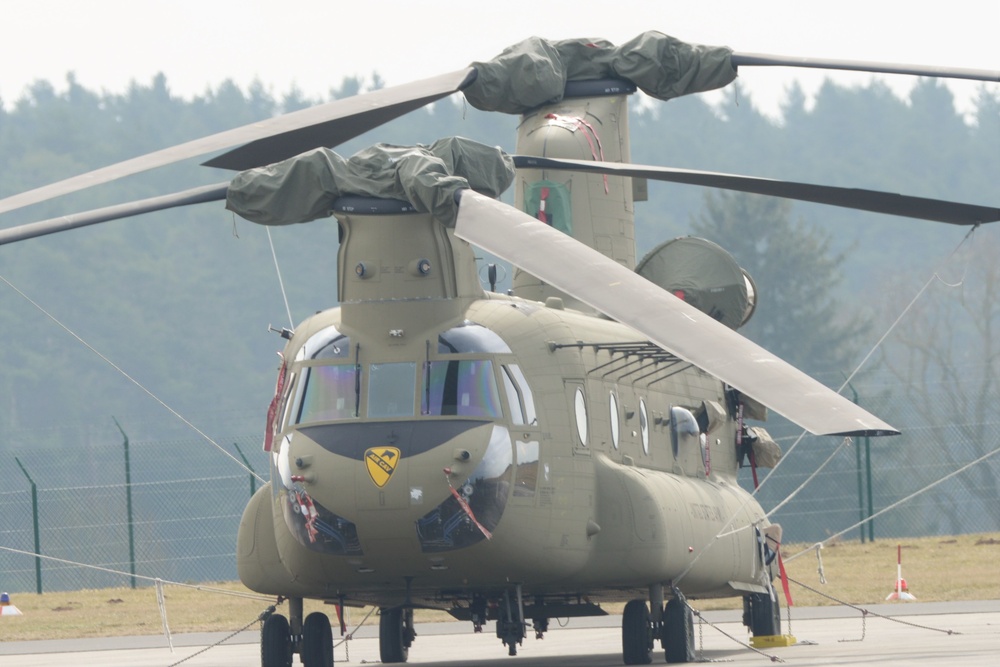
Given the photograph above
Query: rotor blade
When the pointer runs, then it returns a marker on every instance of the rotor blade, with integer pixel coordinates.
(674, 325)
(768, 60)
(338, 121)
(198, 195)
(889, 203)
(356, 116)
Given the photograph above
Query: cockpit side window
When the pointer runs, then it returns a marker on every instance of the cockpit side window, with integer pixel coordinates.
(519, 396)
(286, 403)
(465, 388)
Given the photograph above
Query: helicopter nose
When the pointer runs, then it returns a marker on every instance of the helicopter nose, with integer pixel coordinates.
(386, 475)
(389, 453)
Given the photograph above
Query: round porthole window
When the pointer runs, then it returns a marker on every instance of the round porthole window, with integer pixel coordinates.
(615, 426)
(644, 426)
(580, 406)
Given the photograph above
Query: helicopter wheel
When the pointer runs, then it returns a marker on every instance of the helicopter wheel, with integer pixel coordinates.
(395, 634)
(678, 632)
(275, 642)
(762, 615)
(637, 635)
(317, 641)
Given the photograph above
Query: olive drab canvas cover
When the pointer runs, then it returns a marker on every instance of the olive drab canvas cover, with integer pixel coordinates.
(702, 274)
(304, 187)
(534, 72)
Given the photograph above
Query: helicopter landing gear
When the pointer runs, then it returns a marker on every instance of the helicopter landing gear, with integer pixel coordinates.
(637, 634)
(276, 642)
(762, 614)
(395, 634)
(479, 610)
(677, 635)
(672, 624)
(541, 626)
(282, 637)
(316, 649)
(511, 628)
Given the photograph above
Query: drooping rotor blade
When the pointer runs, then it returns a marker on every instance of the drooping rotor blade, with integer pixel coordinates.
(356, 115)
(875, 201)
(674, 325)
(328, 124)
(198, 195)
(768, 60)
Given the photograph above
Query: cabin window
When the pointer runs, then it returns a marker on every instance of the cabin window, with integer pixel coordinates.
(519, 397)
(580, 408)
(391, 389)
(471, 337)
(328, 393)
(615, 426)
(644, 426)
(464, 388)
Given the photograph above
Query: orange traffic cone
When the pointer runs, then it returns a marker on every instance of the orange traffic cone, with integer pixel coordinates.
(6, 608)
(901, 591)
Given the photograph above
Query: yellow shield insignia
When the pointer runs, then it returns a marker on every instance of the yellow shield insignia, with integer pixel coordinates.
(381, 463)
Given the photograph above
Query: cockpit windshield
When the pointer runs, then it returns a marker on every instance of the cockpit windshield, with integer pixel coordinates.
(335, 382)
(465, 388)
(391, 389)
(328, 393)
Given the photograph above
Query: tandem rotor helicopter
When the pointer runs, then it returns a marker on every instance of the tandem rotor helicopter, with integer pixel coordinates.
(513, 457)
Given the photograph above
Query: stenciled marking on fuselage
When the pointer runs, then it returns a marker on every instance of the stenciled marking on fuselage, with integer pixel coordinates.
(706, 512)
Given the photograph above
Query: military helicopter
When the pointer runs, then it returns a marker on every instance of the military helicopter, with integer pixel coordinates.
(513, 457)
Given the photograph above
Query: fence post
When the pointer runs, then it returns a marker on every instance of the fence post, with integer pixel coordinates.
(868, 462)
(34, 514)
(253, 481)
(861, 495)
(128, 504)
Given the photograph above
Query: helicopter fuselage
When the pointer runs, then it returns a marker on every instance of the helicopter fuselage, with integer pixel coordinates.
(455, 445)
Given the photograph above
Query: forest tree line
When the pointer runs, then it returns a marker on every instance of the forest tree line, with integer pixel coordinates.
(181, 300)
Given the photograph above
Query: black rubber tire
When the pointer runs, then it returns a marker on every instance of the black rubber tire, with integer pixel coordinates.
(317, 641)
(637, 635)
(765, 615)
(678, 632)
(392, 646)
(275, 642)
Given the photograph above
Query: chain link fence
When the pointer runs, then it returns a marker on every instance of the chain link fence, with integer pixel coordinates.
(187, 497)
(185, 501)
(865, 477)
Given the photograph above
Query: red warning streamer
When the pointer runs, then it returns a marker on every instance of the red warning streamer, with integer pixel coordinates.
(272, 410)
(465, 506)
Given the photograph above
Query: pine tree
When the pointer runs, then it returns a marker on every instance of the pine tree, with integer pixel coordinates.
(798, 317)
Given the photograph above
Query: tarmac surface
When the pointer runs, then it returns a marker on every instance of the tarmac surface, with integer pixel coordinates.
(956, 634)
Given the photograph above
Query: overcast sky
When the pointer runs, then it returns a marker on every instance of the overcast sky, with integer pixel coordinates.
(313, 44)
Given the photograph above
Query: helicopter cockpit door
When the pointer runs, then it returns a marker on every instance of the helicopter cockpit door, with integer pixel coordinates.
(530, 470)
